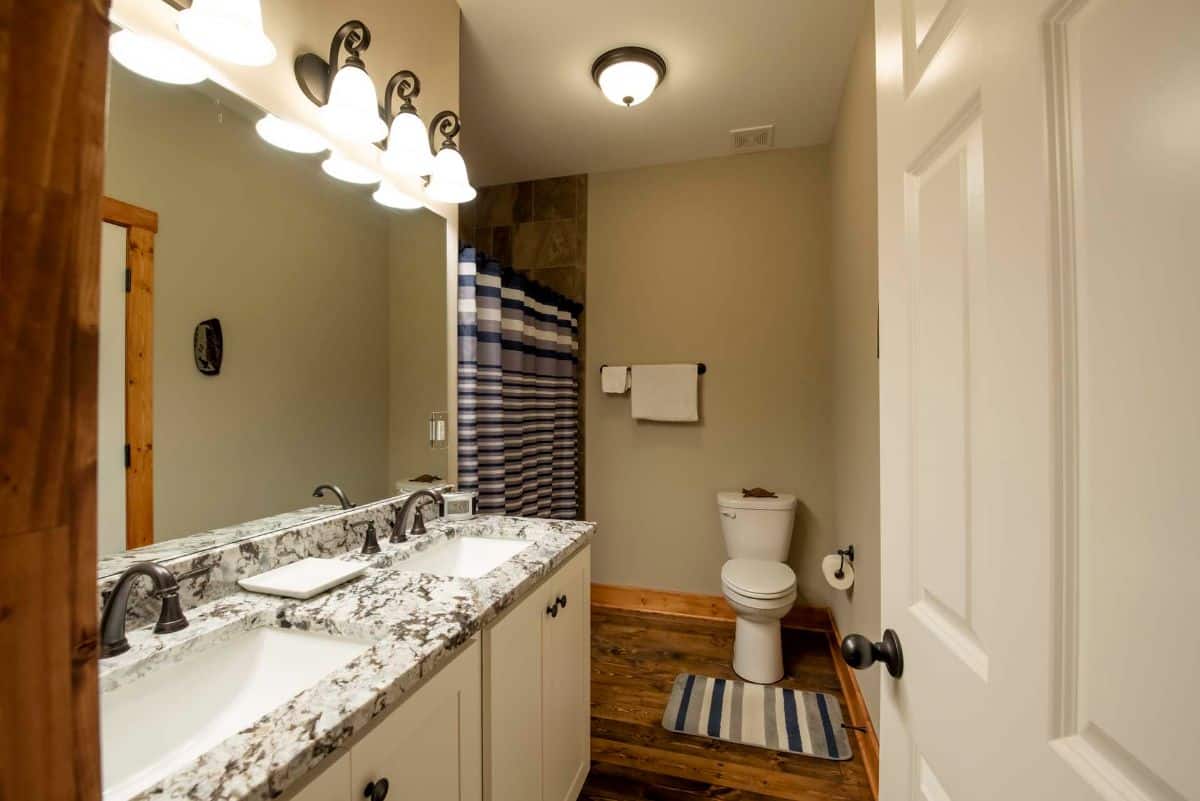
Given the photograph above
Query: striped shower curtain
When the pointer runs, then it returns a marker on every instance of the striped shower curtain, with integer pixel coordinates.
(518, 412)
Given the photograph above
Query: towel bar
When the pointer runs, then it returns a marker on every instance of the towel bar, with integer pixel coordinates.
(701, 367)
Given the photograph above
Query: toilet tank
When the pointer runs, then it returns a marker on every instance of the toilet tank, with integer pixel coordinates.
(756, 528)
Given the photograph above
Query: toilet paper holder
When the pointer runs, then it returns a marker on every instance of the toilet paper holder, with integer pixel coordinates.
(845, 553)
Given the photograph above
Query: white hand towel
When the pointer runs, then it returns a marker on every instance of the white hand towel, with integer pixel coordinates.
(614, 379)
(668, 392)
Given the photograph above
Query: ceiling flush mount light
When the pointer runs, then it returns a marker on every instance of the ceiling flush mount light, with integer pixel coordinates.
(349, 108)
(408, 143)
(156, 58)
(628, 75)
(448, 181)
(229, 30)
(290, 136)
(388, 195)
(342, 168)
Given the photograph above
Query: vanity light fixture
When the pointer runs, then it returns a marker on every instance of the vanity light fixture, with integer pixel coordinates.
(229, 30)
(448, 181)
(407, 143)
(290, 136)
(339, 167)
(388, 195)
(155, 58)
(349, 108)
(628, 75)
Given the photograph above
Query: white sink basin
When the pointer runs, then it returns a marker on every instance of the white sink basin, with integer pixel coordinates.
(156, 724)
(465, 557)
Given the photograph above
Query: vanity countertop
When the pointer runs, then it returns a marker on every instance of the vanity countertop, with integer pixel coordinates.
(416, 622)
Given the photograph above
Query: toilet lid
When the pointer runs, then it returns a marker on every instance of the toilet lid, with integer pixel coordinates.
(758, 578)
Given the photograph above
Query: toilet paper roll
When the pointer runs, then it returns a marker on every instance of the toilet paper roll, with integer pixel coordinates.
(830, 565)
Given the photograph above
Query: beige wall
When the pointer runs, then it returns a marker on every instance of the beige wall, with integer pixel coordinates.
(855, 364)
(417, 346)
(294, 265)
(724, 261)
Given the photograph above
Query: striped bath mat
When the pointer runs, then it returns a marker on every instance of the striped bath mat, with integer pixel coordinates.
(754, 714)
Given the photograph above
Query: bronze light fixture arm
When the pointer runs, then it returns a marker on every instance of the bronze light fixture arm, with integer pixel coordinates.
(315, 75)
(405, 85)
(448, 124)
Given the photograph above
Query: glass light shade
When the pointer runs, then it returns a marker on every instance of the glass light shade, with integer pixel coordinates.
(352, 112)
(388, 195)
(408, 147)
(628, 83)
(448, 182)
(156, 58)
(342, 168)
(229, 30)
(290, 136)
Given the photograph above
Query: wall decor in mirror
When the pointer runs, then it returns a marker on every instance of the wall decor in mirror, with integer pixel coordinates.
(334, 308)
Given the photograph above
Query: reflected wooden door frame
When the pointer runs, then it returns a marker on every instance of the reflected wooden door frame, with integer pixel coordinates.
(140, 227)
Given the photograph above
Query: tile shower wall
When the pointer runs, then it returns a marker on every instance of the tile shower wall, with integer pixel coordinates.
(539, 228)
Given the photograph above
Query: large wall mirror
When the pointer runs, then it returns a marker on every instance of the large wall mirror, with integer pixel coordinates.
(332, 316)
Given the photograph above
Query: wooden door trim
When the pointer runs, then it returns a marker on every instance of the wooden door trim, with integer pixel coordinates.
(714, 607)
(140, 225)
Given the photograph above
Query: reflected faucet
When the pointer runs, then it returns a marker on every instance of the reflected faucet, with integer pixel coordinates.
(112, 619)
(418, 525)
(319, 492)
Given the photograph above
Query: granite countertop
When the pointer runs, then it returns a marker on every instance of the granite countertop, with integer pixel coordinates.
(417, 621)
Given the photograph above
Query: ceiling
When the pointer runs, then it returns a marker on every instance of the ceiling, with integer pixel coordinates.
(530, 108)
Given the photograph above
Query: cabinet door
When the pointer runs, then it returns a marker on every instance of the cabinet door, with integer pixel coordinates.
(331, 784)
(566, 682)
(430, 747)
(513, 703)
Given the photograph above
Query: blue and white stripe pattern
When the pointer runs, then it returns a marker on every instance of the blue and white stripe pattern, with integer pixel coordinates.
(755, 714)
(518, 412)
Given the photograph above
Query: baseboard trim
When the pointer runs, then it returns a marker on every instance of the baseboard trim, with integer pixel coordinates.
(856, 707)
(713, 607)
(687, 604)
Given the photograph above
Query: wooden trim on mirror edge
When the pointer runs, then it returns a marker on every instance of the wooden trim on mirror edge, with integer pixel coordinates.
(52, 94)
(140, 226)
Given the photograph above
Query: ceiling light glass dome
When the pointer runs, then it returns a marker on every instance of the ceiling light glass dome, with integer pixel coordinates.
(629, 75)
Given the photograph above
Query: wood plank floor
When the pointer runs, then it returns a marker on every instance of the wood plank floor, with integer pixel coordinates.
(635, 658)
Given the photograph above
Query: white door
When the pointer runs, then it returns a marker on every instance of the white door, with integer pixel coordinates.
(110, 398)
(1039, 187)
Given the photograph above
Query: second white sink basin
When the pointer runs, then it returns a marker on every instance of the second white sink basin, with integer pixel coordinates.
(464, 557)
(156, 724)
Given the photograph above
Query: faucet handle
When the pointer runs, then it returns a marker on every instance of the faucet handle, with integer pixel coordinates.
(370, 539)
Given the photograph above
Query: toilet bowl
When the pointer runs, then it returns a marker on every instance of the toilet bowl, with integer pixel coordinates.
(760, 592)
(757, 583)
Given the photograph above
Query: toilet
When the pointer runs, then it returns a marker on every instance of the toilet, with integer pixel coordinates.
(756, 580)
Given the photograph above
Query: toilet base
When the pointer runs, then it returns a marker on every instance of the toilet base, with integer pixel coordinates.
(758, 650)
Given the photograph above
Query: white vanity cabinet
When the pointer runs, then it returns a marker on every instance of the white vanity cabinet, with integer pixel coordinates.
(428, 749)
(537, 691)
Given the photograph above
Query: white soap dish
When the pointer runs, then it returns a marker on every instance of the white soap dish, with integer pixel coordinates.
(303, 579)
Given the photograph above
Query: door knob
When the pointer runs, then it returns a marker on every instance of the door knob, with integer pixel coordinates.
(860, 653)
(376, 790)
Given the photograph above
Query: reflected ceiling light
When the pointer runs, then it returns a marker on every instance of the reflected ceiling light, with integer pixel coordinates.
(448, 181)
(342, 168)
(349, 108)
(156, 58)
(388, 195)
(229, 30)
(408, 150)
(628, 75)
(290, 136)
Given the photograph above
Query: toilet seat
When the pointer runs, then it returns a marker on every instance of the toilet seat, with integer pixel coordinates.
(758, 579)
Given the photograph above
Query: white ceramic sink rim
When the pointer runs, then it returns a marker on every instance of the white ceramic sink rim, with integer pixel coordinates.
(464, 557)
(158, 723)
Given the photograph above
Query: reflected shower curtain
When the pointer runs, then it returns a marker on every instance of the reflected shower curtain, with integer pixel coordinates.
(518, 397)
